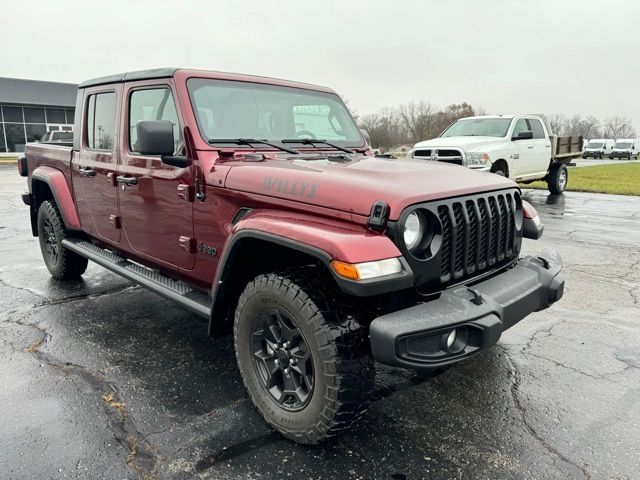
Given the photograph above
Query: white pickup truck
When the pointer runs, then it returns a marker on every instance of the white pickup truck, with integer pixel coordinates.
(521, 147)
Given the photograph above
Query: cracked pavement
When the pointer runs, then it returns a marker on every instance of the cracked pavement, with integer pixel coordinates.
(102, 379)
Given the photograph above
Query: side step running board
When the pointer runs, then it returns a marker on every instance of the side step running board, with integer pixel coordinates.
(174, 290)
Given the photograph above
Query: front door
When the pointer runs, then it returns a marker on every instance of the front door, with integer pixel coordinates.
(522, 150)
(94, 168)
(155, 199)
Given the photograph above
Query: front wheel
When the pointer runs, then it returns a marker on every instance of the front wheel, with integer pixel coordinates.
(557, 178)
(304, 362)
(63, 264)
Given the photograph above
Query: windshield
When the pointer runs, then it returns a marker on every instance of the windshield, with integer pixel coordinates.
(594, 145)
(228, 110)
(622, 145)
(478, 127)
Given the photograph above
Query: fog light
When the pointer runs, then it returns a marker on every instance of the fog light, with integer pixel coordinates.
(451, 338)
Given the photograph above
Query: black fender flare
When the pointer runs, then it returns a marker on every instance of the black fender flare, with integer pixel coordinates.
(362, 288)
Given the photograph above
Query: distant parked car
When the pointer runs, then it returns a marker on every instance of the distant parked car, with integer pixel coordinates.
(625, 148)
(598, 148)
(58, 136)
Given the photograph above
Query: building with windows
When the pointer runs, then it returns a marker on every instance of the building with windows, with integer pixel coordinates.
(31, 108)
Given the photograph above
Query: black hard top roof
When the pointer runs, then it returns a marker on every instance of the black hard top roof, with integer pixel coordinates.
(130, 76)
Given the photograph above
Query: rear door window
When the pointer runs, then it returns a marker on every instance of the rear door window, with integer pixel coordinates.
(101, 121)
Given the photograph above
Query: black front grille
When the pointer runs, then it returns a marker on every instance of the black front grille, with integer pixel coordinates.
(449, 153)
(422, 153)
(476, 234)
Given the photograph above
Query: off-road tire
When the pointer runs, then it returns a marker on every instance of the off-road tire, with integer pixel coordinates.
(343, 369)
(557, 178)
(65, 264)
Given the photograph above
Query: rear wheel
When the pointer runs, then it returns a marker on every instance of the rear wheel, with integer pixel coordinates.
(557, 178)
(63, 264)
(304, 362)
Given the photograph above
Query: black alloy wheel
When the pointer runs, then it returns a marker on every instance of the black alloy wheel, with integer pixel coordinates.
(50, 241)
(282, 360)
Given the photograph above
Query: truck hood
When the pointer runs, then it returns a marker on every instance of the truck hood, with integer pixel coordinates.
(354, 185)
(466, 143)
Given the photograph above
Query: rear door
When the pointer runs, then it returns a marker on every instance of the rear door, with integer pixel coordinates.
(94, 168)
(155, 199)
(541, 151)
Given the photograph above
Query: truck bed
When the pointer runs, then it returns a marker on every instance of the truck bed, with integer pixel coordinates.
(51, 155)
(563, 149)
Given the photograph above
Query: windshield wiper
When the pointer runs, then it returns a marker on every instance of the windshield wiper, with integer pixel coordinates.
(311, 141)
(249, 141)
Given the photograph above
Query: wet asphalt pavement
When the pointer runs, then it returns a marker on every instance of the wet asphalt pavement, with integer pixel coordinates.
(101, 379)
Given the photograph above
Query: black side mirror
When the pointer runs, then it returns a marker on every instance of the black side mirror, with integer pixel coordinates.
(528, 135)
(155, 137)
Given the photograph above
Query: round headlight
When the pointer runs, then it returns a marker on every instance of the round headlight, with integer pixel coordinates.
(413, 230)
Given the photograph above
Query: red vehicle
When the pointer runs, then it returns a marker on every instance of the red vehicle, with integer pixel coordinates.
(257, 204)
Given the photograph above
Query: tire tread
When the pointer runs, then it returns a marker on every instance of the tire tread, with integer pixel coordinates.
(349, 374)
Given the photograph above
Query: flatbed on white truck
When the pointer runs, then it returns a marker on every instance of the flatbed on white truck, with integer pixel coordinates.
(521, 147)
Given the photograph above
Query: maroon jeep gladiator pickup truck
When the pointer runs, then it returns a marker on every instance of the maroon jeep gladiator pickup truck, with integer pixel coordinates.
(257, 204)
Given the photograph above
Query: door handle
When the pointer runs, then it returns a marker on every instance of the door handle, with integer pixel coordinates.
(127, 180)
(86, 172)
(531, 146)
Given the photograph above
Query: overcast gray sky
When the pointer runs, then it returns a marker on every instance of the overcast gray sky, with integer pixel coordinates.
(508, 56)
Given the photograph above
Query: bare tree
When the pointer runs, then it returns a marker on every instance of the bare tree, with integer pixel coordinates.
(591, 128)
(618, 127)
(557, 121)
(418, 120)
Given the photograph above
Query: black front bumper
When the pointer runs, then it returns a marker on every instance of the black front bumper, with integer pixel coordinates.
(416, 338)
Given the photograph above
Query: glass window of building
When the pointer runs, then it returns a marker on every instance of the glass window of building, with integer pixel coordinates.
(35, 131)
(14, 133)
(3, 146)
(34, 115)
(29, 123)
(56, 115)
(12, 114)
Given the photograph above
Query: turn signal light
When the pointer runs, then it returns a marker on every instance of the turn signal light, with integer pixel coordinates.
(367, 270)
(346, 270)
